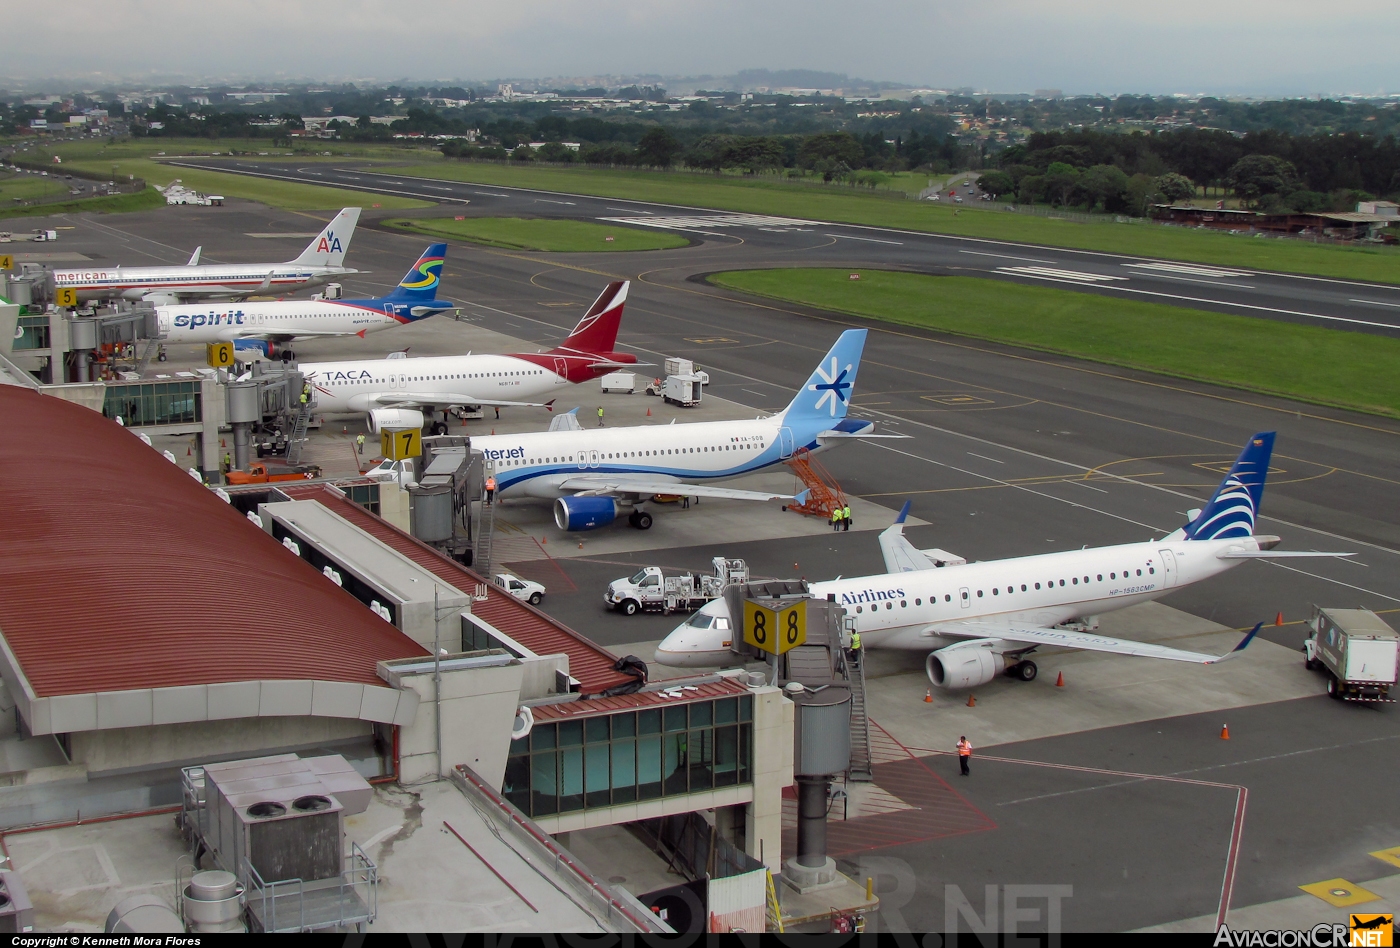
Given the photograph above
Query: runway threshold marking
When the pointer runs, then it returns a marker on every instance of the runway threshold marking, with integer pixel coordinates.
(695, 222)
(1188, 270)
(1062, 276)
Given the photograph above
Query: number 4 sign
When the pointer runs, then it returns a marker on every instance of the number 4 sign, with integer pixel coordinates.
(775, 630)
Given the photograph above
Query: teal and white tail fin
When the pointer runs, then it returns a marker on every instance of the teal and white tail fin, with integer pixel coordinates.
(331, 244)
(827, 394)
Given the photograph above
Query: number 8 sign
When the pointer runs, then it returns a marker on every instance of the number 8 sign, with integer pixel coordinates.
(775, 630)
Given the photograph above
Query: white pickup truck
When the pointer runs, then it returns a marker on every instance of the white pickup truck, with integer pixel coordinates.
(1357, 650)
(532, 592)
(652, 589)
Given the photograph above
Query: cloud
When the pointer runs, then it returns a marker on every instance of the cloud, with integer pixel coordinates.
(1284, 46)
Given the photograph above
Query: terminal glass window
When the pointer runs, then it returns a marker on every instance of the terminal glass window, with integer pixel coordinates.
(630, 756)
(32, 333)
(154, 403)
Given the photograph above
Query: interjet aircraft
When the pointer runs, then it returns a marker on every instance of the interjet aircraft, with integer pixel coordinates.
(268, 327)
(978, 620)
(393, 392)
(322, 260)
(594, 475)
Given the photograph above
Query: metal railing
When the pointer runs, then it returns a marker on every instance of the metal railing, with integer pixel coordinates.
(352, 898)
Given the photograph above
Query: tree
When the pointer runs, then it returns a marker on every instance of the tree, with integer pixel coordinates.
(832, 147)
(1175, 187)
(1254, 176)
(658, 148)
(1061, 180)
(554, 151)
(1103, 184)
(996, 183)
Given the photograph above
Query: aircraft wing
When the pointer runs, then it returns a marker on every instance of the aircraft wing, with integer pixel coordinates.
(1018, 637)
(261, 334)
(644, 484)
(414, 399)
(901, 555)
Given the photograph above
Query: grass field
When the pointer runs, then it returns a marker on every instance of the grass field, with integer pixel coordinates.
(556, 236)
(135, 158)
(771, 195)
(116, 204)
(1322, 366)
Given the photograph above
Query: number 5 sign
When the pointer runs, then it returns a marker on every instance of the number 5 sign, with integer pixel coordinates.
(775, 630)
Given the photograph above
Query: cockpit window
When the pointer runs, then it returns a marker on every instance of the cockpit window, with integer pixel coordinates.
(702, 621)
(722, 622)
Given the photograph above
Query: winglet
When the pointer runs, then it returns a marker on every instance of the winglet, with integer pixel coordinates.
(801, 498)
(903, 512)
(1244, 643)
(549, 405)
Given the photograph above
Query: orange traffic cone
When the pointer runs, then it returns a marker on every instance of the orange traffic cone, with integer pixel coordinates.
(928, 696)
(1225, 733)
(344, 429)
(223, 443)
(1278, 619)
(648, 412)
(580, 544)
(972, 701)
(1060, 681)
(189, 452)
(493, 430)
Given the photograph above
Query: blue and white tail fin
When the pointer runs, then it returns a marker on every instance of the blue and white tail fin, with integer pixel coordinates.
(1232, 510)
(827, 394)
(422, 280)
(331, 244)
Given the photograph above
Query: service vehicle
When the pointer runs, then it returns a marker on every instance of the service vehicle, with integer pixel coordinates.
(620, 382)
(400, 472)
(260, 473)
(652, 589)
(528, 590)
(683, 390)
(1357, 650)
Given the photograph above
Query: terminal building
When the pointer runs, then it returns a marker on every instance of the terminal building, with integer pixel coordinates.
(151, 624)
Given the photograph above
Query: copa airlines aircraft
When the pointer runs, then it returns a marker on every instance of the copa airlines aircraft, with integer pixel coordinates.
(321, 261)
(394, 391)
(594, 474)
(267, 325)
(981, 619)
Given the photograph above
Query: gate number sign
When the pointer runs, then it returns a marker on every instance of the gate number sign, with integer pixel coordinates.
(775, 630)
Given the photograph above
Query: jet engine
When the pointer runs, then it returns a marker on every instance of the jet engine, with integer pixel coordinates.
(965, 665)
(269, 349)
(584, 513)
(398, 419)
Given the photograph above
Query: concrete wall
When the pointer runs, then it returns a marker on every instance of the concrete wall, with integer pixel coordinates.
(773, 735)
(168, 745)
(478, 712)
(393, 505)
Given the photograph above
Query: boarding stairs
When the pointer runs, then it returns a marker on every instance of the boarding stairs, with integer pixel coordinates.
(485, 528)
(297, 441)
(147, 352)
(825, 495)
(860, 769)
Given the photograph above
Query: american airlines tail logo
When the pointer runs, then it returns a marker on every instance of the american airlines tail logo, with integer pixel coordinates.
(833, 386)
(1230, 514)
(329, 243)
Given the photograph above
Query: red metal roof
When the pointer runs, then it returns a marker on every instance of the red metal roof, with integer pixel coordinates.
(589, 662)
(724, 688)
(120, 572)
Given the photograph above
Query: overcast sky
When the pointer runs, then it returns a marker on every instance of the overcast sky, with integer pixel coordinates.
(1282, 47)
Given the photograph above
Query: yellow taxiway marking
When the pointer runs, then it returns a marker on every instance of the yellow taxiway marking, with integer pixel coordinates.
(1340, 892)
(1391, 856)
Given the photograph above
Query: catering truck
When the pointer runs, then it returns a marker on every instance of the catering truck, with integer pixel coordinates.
(652, 588)
(1356, 649)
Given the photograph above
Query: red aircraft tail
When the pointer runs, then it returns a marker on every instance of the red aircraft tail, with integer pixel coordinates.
(596, 332)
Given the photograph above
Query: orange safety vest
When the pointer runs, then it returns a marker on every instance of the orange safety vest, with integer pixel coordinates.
(964, 749)
(490, 483)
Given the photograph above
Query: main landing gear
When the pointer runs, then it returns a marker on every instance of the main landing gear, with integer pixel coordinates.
(1024, 670)
(639, 519)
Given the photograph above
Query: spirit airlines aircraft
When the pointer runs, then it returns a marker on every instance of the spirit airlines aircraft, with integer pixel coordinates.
(394, 391)
(268, 325)
(321, 261)
(594, 474)
(980, 619)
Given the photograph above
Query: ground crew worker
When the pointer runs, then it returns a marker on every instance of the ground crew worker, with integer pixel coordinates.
(228, 463)
(600, 416)
(836, 519)
(855, 647)
(304, 395)
(360, 443)
(964, 753)
(846, 518)
(490, 488)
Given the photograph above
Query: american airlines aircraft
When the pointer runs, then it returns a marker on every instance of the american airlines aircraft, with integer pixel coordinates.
(267, 326)
(394, 391)
(978, 620)
(593, 475)
(322, 260)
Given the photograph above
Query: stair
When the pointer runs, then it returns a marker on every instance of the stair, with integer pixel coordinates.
(147, 352)
(826, 495)
(297, 440)
(860, 769)
(481, 550)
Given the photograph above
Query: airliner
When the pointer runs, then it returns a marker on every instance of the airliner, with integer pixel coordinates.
(267, 326)
(393, 392)
(321, 261)
(594, 475)
(978, 620)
